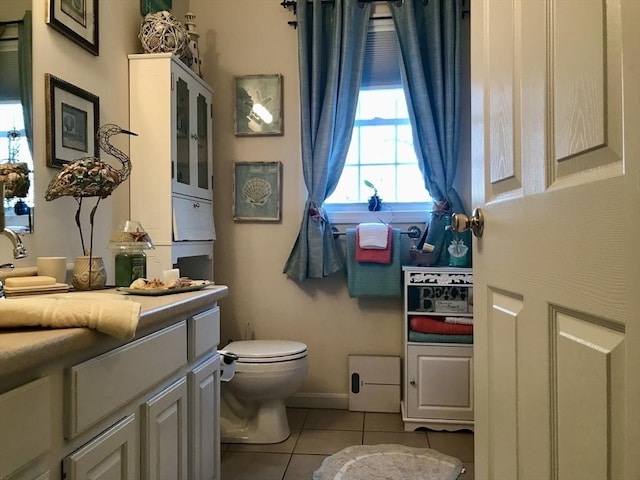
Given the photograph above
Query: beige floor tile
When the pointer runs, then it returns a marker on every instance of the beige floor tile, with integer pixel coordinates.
(296, 417)
(253, 466)
(282, 447)
(322, 418)
(408, 439)
(468, 474)
(326, 442)
(383, 422)
(456, 444)
(301, 467)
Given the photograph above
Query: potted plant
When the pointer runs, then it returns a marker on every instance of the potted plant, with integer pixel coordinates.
(375, 202)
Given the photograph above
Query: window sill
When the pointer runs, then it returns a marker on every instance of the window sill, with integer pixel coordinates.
(341, 214)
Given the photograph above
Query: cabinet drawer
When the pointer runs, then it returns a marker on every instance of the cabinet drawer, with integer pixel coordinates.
(192, 219)
(25, 425)
(204, 332)
(99, 386)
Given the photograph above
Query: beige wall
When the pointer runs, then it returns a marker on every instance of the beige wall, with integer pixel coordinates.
(105, 76)
(237, 37)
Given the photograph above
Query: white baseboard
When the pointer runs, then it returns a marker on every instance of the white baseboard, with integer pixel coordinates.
(338, 401)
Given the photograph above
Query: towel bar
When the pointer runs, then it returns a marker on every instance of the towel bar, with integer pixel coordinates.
(411, 232)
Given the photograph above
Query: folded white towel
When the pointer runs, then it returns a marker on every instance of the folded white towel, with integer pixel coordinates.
(118, 318)
(459, 320)
(373, 235)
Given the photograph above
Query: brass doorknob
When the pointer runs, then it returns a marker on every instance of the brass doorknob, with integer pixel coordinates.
(461, 223)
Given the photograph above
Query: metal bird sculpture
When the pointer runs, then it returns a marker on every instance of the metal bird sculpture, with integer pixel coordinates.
(91, 177)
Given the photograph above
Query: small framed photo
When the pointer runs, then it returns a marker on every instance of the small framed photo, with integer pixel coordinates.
(76, 19)
(257, 191)
(73, 118)
(259, 105)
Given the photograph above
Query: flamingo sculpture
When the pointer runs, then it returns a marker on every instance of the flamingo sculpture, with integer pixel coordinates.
(91, 177)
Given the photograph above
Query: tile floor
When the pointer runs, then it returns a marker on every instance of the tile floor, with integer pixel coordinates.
(318, 433)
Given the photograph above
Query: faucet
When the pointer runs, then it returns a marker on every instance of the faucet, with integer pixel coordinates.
(19, 250)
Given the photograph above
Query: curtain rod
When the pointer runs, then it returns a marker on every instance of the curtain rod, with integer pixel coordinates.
(292, 4)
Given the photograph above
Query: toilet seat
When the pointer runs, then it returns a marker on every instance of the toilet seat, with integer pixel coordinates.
(266, 351)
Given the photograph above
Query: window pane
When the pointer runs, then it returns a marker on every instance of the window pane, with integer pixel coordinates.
(381, 152)
(412, 186)
(378, 144)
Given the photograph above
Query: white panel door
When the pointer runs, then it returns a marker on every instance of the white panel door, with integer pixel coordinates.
(556, 155)
(164, 434)
(113, 455)
(204, 425)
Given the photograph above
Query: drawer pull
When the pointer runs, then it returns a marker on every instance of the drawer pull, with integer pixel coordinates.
(412, 382)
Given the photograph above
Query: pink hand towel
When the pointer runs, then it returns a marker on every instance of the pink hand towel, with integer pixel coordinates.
(374, 255)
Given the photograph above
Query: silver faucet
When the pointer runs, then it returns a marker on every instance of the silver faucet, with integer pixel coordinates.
(19, 250)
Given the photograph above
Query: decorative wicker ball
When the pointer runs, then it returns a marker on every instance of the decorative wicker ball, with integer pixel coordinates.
(160, 32)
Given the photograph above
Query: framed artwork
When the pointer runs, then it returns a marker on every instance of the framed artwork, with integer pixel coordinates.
(152, 6)
(257, 191)
(76, 19)
(73, 118)
(258, 105)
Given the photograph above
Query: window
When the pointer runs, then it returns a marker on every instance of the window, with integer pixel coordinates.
(381, 149)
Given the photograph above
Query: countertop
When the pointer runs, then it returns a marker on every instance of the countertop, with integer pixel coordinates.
(27, 349)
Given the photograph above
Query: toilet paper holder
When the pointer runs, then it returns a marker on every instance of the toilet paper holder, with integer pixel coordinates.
(227, 365)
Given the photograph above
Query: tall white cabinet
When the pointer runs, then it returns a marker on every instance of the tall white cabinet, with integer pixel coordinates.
(438, 374)
(172, 163)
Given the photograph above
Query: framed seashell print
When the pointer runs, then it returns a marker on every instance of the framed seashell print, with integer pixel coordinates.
(257, 191)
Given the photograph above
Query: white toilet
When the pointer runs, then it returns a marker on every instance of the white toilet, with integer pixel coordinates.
(252, 408)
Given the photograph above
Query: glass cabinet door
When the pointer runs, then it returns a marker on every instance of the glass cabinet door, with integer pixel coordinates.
(203, 142)
(182, 174)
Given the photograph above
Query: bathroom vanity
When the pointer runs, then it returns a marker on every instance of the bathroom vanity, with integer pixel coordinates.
(77, 404)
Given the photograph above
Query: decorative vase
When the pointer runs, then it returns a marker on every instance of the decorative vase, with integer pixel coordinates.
(85, 278)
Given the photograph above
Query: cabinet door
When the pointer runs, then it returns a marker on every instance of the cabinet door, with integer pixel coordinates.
(113, 455)
(164, 434)
(440, 382)
(193, 157)
(204, 427)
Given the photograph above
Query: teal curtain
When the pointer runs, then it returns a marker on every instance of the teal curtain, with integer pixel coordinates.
(429, 36)
(331, 41)
(26, 76)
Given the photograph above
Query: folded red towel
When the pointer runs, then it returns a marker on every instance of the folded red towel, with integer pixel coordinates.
(433, 325)
(378, 255)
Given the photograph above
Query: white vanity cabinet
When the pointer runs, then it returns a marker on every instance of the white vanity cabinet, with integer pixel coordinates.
(147, 409)
(170, 110)
(438, 378)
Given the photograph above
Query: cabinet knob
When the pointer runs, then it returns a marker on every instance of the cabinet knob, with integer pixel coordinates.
(195, 137)
(412, 382)
(196, 205)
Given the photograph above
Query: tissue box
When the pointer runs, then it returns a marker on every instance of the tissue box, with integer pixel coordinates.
(375, 383)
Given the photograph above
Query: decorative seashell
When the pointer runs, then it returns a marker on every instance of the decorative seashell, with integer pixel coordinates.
(256, 191)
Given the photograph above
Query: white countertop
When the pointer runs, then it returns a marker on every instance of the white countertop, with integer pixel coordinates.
(26, 349)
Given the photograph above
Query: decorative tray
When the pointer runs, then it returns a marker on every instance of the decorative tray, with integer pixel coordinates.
(163, 291)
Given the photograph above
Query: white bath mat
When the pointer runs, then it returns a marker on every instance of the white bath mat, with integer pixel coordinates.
(388, 462)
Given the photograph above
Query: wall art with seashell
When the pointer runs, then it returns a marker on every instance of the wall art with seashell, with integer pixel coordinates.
(257, 191)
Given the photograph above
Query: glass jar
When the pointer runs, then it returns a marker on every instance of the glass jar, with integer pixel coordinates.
(131, 264)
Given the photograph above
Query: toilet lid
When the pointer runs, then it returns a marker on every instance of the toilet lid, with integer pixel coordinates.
(266, 351)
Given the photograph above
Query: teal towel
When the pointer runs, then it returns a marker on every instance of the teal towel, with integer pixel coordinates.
(374, 279)
(438, 338)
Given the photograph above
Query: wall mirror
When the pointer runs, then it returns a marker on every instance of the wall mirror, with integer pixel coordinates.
(16, 131)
